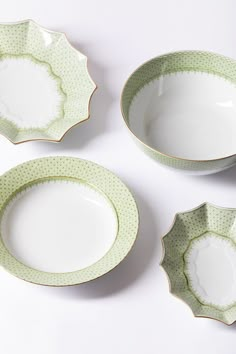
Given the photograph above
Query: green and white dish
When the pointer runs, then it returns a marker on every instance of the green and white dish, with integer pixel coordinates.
(64, 221)
(180, 108)
(200, 261)
(45, 87)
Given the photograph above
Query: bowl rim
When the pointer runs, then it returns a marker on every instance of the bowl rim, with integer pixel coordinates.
(148, 147)
(29, 20)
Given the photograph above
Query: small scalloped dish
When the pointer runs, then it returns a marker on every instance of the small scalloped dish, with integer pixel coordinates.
(45, 87)
(181, 109)
(64, 221)
(200, 261)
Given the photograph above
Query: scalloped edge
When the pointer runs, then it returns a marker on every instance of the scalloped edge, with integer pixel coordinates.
(51, 139)
(199, 313)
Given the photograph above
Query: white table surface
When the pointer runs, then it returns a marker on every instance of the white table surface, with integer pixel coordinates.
(129, 310)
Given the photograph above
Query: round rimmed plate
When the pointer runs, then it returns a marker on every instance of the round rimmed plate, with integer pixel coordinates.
(200, 261)
(64, 221)
(45, 87)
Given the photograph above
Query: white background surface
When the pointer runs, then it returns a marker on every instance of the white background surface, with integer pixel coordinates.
(129, 310)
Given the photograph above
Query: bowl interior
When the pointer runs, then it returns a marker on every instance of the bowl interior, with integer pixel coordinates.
(184, 105)
(56, 234)
(200, 260)
(31, 95)
(210, 266)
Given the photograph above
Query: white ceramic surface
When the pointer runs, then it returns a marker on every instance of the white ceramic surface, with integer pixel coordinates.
(211, 265)
(118, 37)
(59, 226)
(189, 115)
(30, 96)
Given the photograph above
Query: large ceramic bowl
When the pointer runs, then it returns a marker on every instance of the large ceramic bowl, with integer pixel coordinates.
(45, 87)
(181, 109)
(200, 261)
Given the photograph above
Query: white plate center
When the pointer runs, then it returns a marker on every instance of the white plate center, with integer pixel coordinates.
(211, 267)
(187, 115)
(30, 94)
(59, 226)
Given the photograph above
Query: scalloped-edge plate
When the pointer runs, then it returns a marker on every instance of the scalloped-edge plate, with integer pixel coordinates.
(64, 221)
(200, 261)
(45, 87)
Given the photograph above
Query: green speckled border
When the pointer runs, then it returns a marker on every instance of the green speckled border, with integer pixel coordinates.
(186, 227)
(51, 168)
(194, 61)
(28, 39)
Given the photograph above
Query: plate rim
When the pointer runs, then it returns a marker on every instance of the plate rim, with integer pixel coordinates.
(127, 218)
